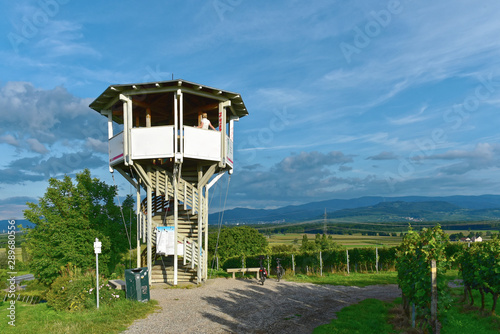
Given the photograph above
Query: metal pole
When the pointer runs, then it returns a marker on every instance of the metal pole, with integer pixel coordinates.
(376, 258)
(97, 276)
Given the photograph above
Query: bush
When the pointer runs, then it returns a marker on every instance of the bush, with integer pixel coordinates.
(22, 266)
(69, 293)
(74, 291)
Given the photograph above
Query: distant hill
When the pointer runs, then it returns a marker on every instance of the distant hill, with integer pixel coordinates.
(373, 207)
(4, 224)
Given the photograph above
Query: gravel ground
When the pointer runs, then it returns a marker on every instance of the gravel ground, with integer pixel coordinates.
(244, 306)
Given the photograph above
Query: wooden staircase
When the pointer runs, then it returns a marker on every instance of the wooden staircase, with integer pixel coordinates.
(187, 229)
(163, 271)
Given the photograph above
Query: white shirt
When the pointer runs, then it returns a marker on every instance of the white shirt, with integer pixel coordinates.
(205, 123)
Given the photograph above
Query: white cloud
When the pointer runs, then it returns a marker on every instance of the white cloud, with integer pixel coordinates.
(9, 139)
(483, 156)
(36, 146)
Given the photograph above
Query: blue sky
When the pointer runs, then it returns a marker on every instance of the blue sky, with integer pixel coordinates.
(346, 99)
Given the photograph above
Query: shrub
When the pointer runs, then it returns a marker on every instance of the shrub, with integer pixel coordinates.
(75, 291)
(69, 293)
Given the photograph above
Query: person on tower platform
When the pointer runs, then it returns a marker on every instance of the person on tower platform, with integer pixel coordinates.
(205, 122)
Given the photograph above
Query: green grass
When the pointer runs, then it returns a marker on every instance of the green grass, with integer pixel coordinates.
(462, 318)
(368, 316)
(353, 279)
(43, 319)
(374, 316)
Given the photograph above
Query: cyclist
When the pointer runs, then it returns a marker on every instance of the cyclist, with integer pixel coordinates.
(262, 270)
(280, 271)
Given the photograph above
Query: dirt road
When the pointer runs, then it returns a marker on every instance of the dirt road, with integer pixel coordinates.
(244, 306)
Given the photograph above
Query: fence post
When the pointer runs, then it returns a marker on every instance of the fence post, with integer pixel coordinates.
(293, 264)
(217, 257)
(320, 264)
(376, 258)
(347, 252)
(268, 266)
(434, 299)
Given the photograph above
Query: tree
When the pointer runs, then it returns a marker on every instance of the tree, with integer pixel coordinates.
(67, 220)
(235, 241)
(307, 245)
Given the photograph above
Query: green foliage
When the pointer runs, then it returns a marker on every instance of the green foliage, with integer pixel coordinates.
(480, 268)
(282, 248)
(414, 268)
(68, 218)
(69, 292)
(74, 291)
(3, 259)
(368, 316)
(237, 241)
(333, 260)
(321, 243)
(3, 278)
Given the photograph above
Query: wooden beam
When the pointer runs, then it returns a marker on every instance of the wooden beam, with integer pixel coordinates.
(208, 174)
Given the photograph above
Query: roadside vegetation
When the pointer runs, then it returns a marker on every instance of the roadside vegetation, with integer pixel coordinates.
(59, 252)
(42, 318)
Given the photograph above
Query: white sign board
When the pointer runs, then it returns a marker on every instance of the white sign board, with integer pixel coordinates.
(97, 246)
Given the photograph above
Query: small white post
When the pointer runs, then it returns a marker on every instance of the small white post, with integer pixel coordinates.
(376, 258)
(97, 251)
(347, 253)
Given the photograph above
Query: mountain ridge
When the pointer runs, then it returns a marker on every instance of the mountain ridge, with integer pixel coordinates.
(463, 207)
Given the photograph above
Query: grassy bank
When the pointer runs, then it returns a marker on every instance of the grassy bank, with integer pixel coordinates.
(43, 319)
(368, 316)
(353, 279)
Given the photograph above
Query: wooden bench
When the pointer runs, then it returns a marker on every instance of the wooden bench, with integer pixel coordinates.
(243, 270)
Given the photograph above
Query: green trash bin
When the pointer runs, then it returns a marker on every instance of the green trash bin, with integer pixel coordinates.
(137, 284)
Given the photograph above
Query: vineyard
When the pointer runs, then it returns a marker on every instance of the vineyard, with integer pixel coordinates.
(422, 261)
(333, 260)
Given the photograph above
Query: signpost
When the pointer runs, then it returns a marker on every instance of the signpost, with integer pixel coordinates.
(97, 251)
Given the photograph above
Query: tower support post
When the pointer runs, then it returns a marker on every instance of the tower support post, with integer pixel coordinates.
(139, 222)
(176, 215)
(149, 225)
(200, 222)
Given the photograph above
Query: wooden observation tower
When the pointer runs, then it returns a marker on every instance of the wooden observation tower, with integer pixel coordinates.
(157, 142)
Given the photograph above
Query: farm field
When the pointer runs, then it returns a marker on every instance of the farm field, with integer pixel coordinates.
(354, 240)
(349, 241)
(19, 251)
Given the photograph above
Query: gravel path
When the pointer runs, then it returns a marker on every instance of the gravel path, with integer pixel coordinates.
(244, 306)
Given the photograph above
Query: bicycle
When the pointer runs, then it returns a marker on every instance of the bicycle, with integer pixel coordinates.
(280, 271)
(262, 271)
